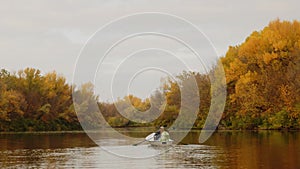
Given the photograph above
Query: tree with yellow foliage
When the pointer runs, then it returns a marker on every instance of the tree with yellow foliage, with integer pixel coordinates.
(263, 75)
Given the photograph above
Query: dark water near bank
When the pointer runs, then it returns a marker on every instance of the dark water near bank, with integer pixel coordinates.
(225, 149)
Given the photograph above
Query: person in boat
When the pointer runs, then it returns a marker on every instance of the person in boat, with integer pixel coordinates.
(157, 135)
(161, 135)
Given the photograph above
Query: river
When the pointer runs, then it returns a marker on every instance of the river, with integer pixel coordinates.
(225, 149)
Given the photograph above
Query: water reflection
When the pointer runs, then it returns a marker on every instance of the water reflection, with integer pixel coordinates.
(230, 149)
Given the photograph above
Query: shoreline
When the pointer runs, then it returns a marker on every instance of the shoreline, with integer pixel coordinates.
(131, 128)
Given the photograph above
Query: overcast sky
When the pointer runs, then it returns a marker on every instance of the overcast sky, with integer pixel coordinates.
(49, 34)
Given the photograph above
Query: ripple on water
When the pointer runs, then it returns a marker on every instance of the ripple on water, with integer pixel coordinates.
(179, 156)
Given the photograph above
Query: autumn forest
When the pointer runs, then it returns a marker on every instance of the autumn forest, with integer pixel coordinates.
(263, 91)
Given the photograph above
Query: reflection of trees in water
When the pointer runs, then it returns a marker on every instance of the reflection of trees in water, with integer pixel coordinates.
(225, 149)
(38, 158)
(41, 150)
(252, 149)
(192, 156)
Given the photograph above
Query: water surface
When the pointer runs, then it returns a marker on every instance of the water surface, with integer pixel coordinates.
(225, 149)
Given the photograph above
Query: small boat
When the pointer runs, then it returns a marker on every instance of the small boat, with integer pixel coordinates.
(150, 139)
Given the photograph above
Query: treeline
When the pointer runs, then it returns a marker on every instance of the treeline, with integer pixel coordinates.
(30, 101)
(263, 79)
(162, 107)
(263, 84)
(263, 92)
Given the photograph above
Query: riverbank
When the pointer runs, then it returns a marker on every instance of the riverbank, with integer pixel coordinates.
(140, 129)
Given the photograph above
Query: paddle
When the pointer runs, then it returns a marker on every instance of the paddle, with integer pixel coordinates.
(139, 143)
(143, 141)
